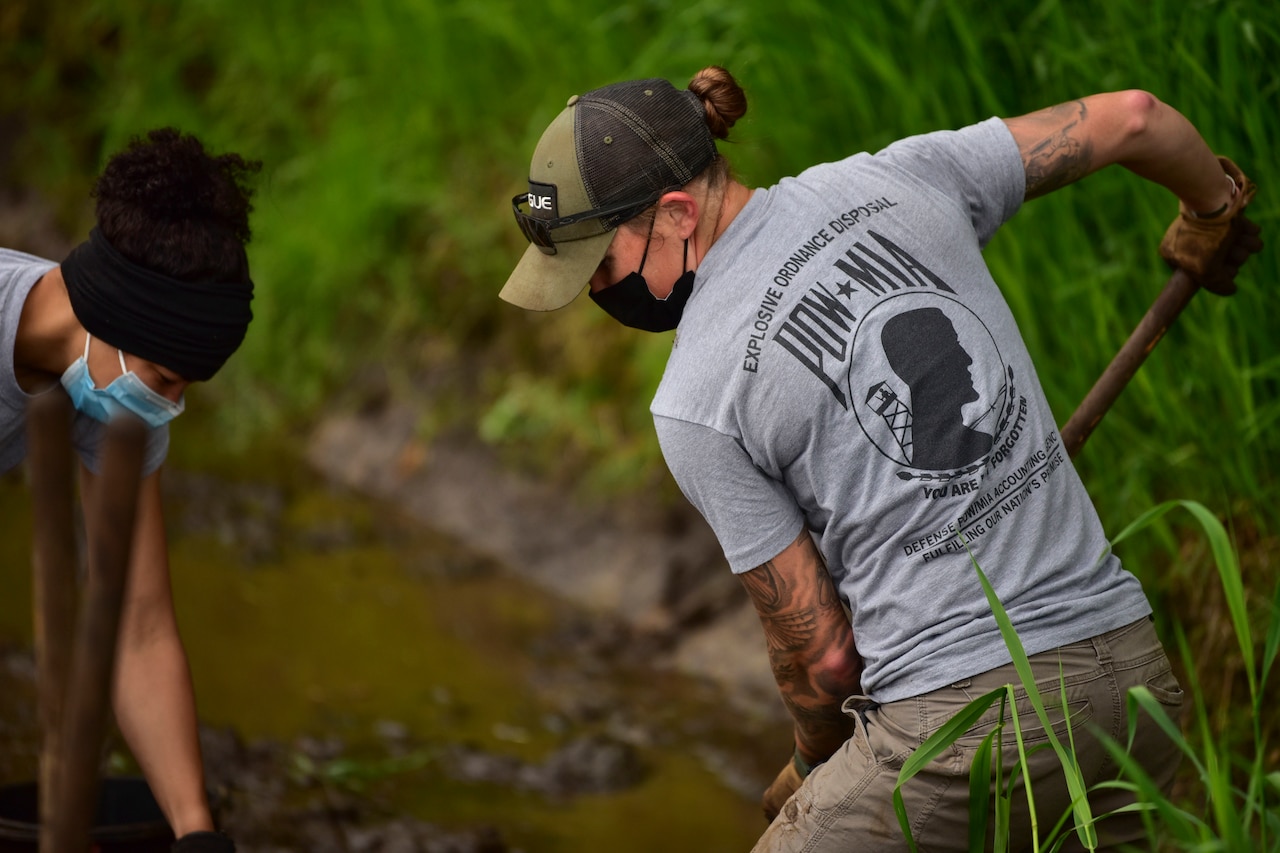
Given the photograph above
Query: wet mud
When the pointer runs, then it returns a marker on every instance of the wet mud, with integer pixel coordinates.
(368, 683)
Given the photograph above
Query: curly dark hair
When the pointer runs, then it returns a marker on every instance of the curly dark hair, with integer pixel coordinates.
(168, 205)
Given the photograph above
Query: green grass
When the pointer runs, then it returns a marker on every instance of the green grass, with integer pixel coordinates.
(1235, 799)
(395, 132)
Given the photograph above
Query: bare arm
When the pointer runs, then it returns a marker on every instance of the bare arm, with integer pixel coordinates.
(152, 694)
(810, 644)
(1134, 129)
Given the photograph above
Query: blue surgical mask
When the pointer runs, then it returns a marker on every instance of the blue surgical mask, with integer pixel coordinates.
(126, 393)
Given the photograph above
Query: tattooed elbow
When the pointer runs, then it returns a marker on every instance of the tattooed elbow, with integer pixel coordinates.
(839, 671)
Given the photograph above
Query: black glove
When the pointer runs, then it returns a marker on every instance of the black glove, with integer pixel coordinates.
(203, 842)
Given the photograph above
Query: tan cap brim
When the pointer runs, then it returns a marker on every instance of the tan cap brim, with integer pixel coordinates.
(542, 282)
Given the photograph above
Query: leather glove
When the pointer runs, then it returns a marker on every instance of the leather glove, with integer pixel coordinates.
(203, 842)
(1212, 248)
(786, 783)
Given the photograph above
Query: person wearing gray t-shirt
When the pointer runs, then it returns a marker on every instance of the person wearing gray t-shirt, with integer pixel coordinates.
(850, 405)
(158, 297)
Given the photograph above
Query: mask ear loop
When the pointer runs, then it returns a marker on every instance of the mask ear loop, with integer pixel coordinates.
(119, 354)
(647, 241)
(87, 338)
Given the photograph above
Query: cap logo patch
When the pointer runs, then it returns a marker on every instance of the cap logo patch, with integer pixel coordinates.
(542, 200)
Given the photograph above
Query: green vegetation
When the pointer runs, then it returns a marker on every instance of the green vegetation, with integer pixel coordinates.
(1235, 802)
(394, 133)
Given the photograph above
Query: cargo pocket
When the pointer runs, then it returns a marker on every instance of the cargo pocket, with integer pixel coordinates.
(1079, 712)
(1165, 688)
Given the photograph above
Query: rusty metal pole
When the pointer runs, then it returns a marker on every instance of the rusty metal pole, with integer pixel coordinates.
(110, 511)
(49, 474)
(1168, 305)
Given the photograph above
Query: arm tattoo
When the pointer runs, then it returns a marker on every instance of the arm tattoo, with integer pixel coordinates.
(803, 621)
(790, 632)
(1060, 155)
(764, 587)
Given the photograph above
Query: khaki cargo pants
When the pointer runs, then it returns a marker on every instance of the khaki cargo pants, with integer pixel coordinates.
(846, 804)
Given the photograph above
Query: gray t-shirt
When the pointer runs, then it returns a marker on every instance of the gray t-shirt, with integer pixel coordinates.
(847, 364)
(18, 274)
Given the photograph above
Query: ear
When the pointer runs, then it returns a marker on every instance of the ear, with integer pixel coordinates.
(683, 210)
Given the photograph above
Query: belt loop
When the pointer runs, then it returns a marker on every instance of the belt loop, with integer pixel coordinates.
(859, 705)
(1102, 649)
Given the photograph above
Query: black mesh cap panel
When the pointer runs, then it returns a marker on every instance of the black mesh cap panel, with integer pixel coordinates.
(636, 139)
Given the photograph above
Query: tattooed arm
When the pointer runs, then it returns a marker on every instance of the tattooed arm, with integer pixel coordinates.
(1064, 143)
(810, 644)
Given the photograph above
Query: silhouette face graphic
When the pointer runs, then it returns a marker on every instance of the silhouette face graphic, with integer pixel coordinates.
(924, 350)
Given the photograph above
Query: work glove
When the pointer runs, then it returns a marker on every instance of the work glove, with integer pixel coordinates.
(203, 842)
(1212, 248)
(787, 782)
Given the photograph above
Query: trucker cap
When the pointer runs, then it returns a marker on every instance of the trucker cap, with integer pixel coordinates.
(608, 156)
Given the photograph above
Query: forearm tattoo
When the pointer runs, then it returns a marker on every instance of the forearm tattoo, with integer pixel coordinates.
(1060, 155)
(804, 623)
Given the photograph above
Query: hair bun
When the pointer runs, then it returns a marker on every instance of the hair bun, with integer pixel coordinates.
(722, 97)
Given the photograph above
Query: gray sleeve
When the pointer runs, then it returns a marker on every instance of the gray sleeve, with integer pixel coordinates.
(979, 167)
(752, 514)
(87, 435)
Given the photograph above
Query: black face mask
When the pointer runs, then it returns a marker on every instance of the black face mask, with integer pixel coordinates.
(632, 304)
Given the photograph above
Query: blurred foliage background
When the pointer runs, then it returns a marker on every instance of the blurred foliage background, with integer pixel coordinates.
(394, 132)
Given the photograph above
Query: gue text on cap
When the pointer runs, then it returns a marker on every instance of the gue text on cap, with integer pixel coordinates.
(542, 198)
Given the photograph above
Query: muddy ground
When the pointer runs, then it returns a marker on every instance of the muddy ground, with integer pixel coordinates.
(320, 793)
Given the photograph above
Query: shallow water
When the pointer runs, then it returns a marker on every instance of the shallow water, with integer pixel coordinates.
(309, 612)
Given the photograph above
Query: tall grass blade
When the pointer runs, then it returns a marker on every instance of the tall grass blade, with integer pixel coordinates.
(1002, 815)
(933, 746)
(1025, 766)
(1176, 824)
(1228, 571)
(1140, 697)
(1232, 819)
(1272, 643)
(980, 791)
(1075, 785)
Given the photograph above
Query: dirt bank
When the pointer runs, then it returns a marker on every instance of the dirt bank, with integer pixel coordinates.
(660, 570)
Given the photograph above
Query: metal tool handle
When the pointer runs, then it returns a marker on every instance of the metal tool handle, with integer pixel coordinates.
(1173, 298)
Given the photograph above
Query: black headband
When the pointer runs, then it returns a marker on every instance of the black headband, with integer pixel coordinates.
(190, 327)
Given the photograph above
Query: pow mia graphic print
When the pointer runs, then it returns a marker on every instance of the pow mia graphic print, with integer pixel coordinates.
(924, 379)
(899, 349)
(929, 385)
